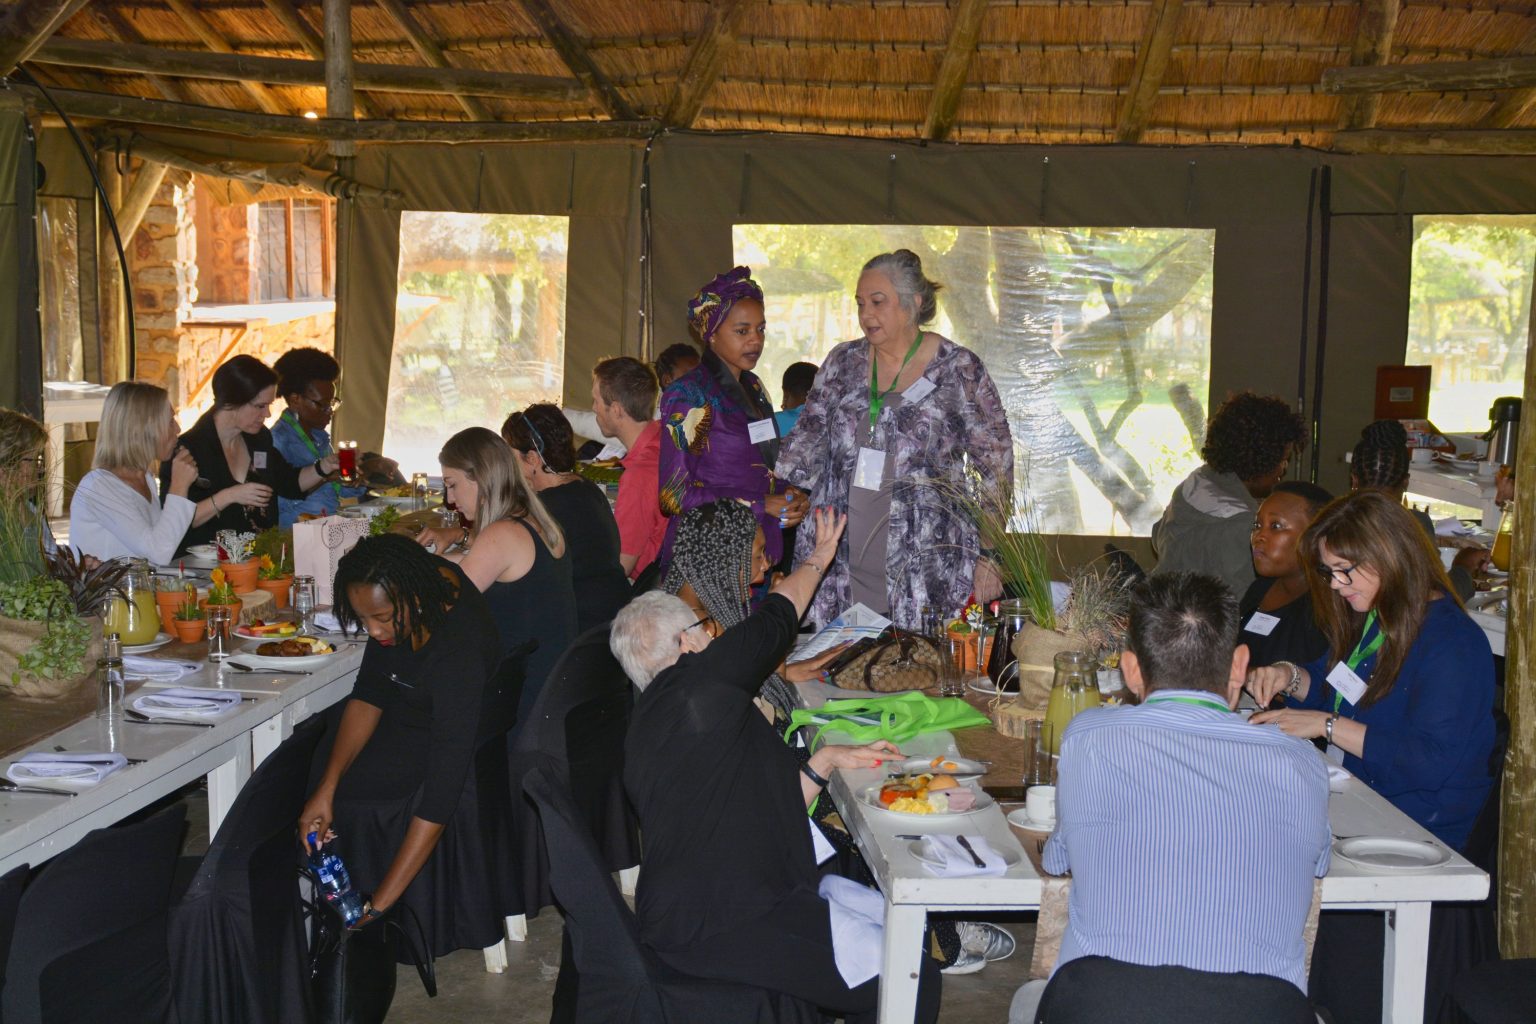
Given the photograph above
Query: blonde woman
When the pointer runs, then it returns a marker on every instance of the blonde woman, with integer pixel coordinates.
(513, 550)
(117, 509)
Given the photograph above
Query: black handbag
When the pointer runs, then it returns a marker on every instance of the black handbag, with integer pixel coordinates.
(352, 972)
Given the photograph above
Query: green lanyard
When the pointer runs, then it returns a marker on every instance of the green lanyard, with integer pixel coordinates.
(876, 396)
(1362, 651)
(1199, 702)
(309, 443)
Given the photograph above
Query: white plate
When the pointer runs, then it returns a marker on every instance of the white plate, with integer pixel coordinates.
(964, 768)
(984, 684)
(1020, 819)
(871, 797)
(160, 640)
(250, 657)
(920, 854)
(1391, 853)
(203, 552)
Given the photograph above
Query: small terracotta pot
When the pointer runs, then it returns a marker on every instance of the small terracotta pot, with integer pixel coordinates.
(190, 631)
(241, 575)
(168, 601)
(278, 588)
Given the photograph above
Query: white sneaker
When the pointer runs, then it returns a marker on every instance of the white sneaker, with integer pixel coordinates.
(980, 944)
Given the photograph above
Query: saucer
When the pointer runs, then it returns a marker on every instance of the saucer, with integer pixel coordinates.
(1020, 819)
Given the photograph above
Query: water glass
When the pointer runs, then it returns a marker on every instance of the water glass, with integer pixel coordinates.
(952, 677)
(447, 517)
(220, 641)
(419, 491)
(304, 596)
(1039, 766)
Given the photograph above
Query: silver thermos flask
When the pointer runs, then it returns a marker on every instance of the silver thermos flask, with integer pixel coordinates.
(1503, 431)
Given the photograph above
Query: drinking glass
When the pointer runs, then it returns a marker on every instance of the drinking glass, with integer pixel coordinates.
(447, 517)
(220, 643)
(951, 676)
(419, 491)
(346, 454)
(304, 596)
(1039, 766)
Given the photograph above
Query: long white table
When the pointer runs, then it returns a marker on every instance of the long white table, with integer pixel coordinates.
(35, 827)
(911, 894)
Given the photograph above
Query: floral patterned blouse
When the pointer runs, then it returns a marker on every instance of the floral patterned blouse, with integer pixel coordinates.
(707, 453)
(932, 547)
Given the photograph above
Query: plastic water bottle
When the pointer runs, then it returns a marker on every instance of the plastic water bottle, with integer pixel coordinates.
(334, 882)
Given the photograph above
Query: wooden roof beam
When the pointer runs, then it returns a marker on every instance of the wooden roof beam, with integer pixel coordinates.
(949, 86)
(1372, 48)
(1452, 141)
(1514, 106)
(430, 52)
(236, 67)
(122, 33)
(576, 57)
(1152, 58)
(705, 59)
(193, 117)
(288, 16)
(211, 38)
(27, 25)
(1435, 76)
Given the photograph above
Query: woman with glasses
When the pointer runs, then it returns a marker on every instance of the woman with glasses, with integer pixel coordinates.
(1404, 695)
(240, 471)
(307, 378)
(544, 447)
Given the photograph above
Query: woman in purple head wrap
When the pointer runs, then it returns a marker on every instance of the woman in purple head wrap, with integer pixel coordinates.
(718, 438)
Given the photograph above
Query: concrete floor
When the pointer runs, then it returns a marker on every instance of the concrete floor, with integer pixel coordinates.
(521, 995)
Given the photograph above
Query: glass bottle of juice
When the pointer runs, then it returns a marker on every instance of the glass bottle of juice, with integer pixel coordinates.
(1075, 687)
(1503, 540)
(132, 613)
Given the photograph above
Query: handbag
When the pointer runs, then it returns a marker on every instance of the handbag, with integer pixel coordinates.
(897, 660)
(352, 971)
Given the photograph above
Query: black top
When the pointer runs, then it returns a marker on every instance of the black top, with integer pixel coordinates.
(431, 699)
(267, 466)
(592, 538)
(539, 606)
(1295, 637)
(717, 790)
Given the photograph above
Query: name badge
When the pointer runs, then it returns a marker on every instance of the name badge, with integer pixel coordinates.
(259, 460)
(1344, 680)
(870, 469)
(1262, 623)
(920, 389)
(761, 430)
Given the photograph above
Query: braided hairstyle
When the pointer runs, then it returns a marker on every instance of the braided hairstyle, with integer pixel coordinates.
(1380, 459)
(713, 553)
(413, 579)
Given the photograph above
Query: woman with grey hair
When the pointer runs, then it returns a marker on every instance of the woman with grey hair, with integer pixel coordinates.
(889, 427)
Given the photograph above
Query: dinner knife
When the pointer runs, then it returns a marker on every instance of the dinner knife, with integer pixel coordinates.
(971, 850)
(238, 667)
(7, 786)
(139, 718)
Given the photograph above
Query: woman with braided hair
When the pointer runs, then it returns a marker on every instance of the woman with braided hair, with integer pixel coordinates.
(404, 748)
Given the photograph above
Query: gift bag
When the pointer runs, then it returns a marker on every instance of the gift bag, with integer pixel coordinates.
(318, 545)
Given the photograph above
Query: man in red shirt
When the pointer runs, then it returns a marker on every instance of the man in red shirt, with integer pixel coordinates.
(624, 402)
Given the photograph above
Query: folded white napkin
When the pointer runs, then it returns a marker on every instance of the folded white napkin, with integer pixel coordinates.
(955, 861)
(1337, 777)
(327, 622)
(1451, 527)
(186, 700)
(66, 771)
(158, 670)
(857, 915)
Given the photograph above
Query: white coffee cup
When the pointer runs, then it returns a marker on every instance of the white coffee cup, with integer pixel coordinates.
(1423, 455)
(1040, 804)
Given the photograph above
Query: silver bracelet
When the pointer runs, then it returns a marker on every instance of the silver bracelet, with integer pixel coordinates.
(1295, 684)
(1328, 726)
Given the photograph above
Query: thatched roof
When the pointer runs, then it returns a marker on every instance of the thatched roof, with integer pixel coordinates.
(1053, 71)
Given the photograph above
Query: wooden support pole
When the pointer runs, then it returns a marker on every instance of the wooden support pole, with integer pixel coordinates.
(146, 183)
(291, 175)
(89, 53)
(430, 52)
(1433, 76)
(705, 59)
(109, 278)
(1152, 58)
(211, 38)
(576, 57)
(27, 25)
(338, 79)
(1373, 46)
(1517, 823)
(123, 34)
(949, 86)
(288, 16)
(1453, 141)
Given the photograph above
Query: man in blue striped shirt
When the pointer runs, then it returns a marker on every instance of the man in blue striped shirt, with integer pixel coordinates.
(1192, 837)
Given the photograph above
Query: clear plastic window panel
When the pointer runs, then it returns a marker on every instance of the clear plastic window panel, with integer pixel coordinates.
(1098, 339)
(1469, 308)
(58, 236)
(479, 326)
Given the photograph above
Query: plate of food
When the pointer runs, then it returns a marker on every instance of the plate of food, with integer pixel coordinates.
(259, 630)
(289, 652)
(932, 796)
(962, 768)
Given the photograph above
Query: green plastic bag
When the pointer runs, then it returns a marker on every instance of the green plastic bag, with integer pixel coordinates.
(896, 717)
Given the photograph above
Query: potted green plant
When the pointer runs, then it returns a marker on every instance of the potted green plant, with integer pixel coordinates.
(238, 559)
(222, 595)
(190, 619)
(50, 624)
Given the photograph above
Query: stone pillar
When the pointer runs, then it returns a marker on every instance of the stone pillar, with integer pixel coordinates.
(164, 258)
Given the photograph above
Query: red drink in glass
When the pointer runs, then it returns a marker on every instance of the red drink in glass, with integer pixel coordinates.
(346, 452)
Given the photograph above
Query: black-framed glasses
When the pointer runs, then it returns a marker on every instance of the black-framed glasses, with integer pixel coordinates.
(1343, 577)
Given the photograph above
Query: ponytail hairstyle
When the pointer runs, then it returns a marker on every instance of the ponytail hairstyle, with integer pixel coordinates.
(504, 494)
(1380, 459)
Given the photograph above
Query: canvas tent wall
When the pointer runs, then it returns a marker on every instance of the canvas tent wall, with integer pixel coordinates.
(21, 375)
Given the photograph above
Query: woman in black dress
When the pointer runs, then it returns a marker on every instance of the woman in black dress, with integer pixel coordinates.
(1276, 610)
(404, 749)
(544, 447)
(241, 474)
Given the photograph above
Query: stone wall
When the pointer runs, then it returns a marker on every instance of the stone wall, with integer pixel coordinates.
(206, 344)
(163, 266)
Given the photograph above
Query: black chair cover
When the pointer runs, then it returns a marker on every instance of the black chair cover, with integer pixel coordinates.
(580, 722)
(238, 950)
(90, 942)
(1500, 992)
(620, 983)
(1096, 989)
